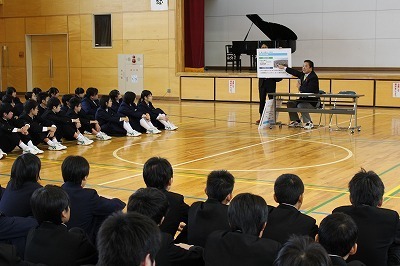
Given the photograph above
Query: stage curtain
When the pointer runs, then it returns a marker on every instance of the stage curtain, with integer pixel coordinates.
(194, 34)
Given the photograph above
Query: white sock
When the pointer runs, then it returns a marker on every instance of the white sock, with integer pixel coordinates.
(23, 146)
(165, 123)
(128, 127)
(50, 143)
(145, 124)
(30, 144)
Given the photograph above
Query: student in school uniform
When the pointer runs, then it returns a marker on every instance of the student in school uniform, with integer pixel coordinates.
(42, 99)
(137, 119)
(87, 125)
(25, 174)
(158, 117)
(111, 123)
(51, 243)
(116, 99)
(90, 102)
(68, 128)
(13, 135)
(36, 90)
(29, 95)
(65, 102)
(11, 98)
(37, 131)
(80, 93)
(53, 92)
(89, 209)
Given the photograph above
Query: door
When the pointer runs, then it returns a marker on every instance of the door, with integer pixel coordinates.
(49, 62)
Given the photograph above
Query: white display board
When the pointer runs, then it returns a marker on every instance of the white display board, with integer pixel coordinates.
(267, 117)
(158, 5)
(396, 89)
(268, 61)
(130, 73)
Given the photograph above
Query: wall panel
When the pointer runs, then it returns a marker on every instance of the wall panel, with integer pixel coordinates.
(242, 90)
(15, 29)
(365, 87)
(145, 25)
(384, 94)
(104, 57)
(104, 79)
(156, 52)
(197, 88)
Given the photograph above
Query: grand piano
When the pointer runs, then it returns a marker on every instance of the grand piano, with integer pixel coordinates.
(279, 35)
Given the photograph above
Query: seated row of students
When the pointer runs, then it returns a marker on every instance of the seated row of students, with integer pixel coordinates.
(248, 231)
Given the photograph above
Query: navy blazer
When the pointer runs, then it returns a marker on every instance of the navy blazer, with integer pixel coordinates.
(205, 218)
(378, 234)
(238, 249)
(16, 202)
(53, 244)
(285, 220)
(109, 122)
(178, 212)
(88, 209)
(90, 107)
(13, 230)
(1, 191)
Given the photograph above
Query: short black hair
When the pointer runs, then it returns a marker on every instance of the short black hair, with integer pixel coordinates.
(65, 98)
(74, 102)
(53, 91)
(337, 233)
(288, 188)
(104, 100)
(150, 202)
(41, 96)
(247, 213)
(28, 95)
(91, 92)
(36, 90)
(6, 108)
(7, 98)
(219, 184)
(74, 169)
(126, 239)
(79, 90)
(366, 188)
(48, 203)
(53, 102)
(129, 97)
(29, 105)
(302, 251)
(310, 63)
(26, 168)
(114, 94)
(157, 172)
(10, 90)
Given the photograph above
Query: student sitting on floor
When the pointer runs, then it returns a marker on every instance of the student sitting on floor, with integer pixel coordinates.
(38, 132)
(90, 209)
(111, 123)
(67, 128)
(80, 93)
(158, 117)
(11, 98)
(242, 244)
(53, 92)
(13, 135)
(25, 174)
(65, 102)
(51, 243)
(152, 203)
(42, 99)
(137, 119)
(87, 125)
(128, 239)
(116, 99)
(30, 96)
(211, 215)
(286, 219)
(338, 234)
(158, 173)
(90, 102)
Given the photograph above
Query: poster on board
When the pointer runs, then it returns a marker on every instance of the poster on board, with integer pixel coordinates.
(158, 5)
(268, 61)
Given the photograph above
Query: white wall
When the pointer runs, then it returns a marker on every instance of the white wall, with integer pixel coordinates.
(332, 33)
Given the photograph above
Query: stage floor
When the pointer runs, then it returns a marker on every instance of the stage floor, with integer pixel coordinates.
(218, 135)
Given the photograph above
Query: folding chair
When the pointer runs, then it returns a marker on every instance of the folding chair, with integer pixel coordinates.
(336, 106)
(321, 105)
(230, 58)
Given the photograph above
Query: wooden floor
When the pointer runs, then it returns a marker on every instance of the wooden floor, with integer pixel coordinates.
(224, 136)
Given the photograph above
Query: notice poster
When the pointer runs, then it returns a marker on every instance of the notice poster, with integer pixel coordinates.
(396, 89)
(158, 5)
(232, 86)
(268, 61)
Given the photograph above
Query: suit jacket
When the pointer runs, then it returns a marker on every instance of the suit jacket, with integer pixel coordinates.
(378, 234)
(53, 244)
(13, 230)
(205, 218)
(177, 212)
(16, 202)
(339, 261)
(308, 85)
(285, 220)
(90, 107)
(169, 254)
(88, 209)
(238, 249)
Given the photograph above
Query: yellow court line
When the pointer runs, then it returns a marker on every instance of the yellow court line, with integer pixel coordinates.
(387, 194)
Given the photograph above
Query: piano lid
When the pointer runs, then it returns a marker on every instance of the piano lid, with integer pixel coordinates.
(273, 31)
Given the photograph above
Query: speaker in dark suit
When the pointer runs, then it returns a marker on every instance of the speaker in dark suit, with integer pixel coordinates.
(158, 173)
(379, 228)
(242, 245)
(286, 219)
